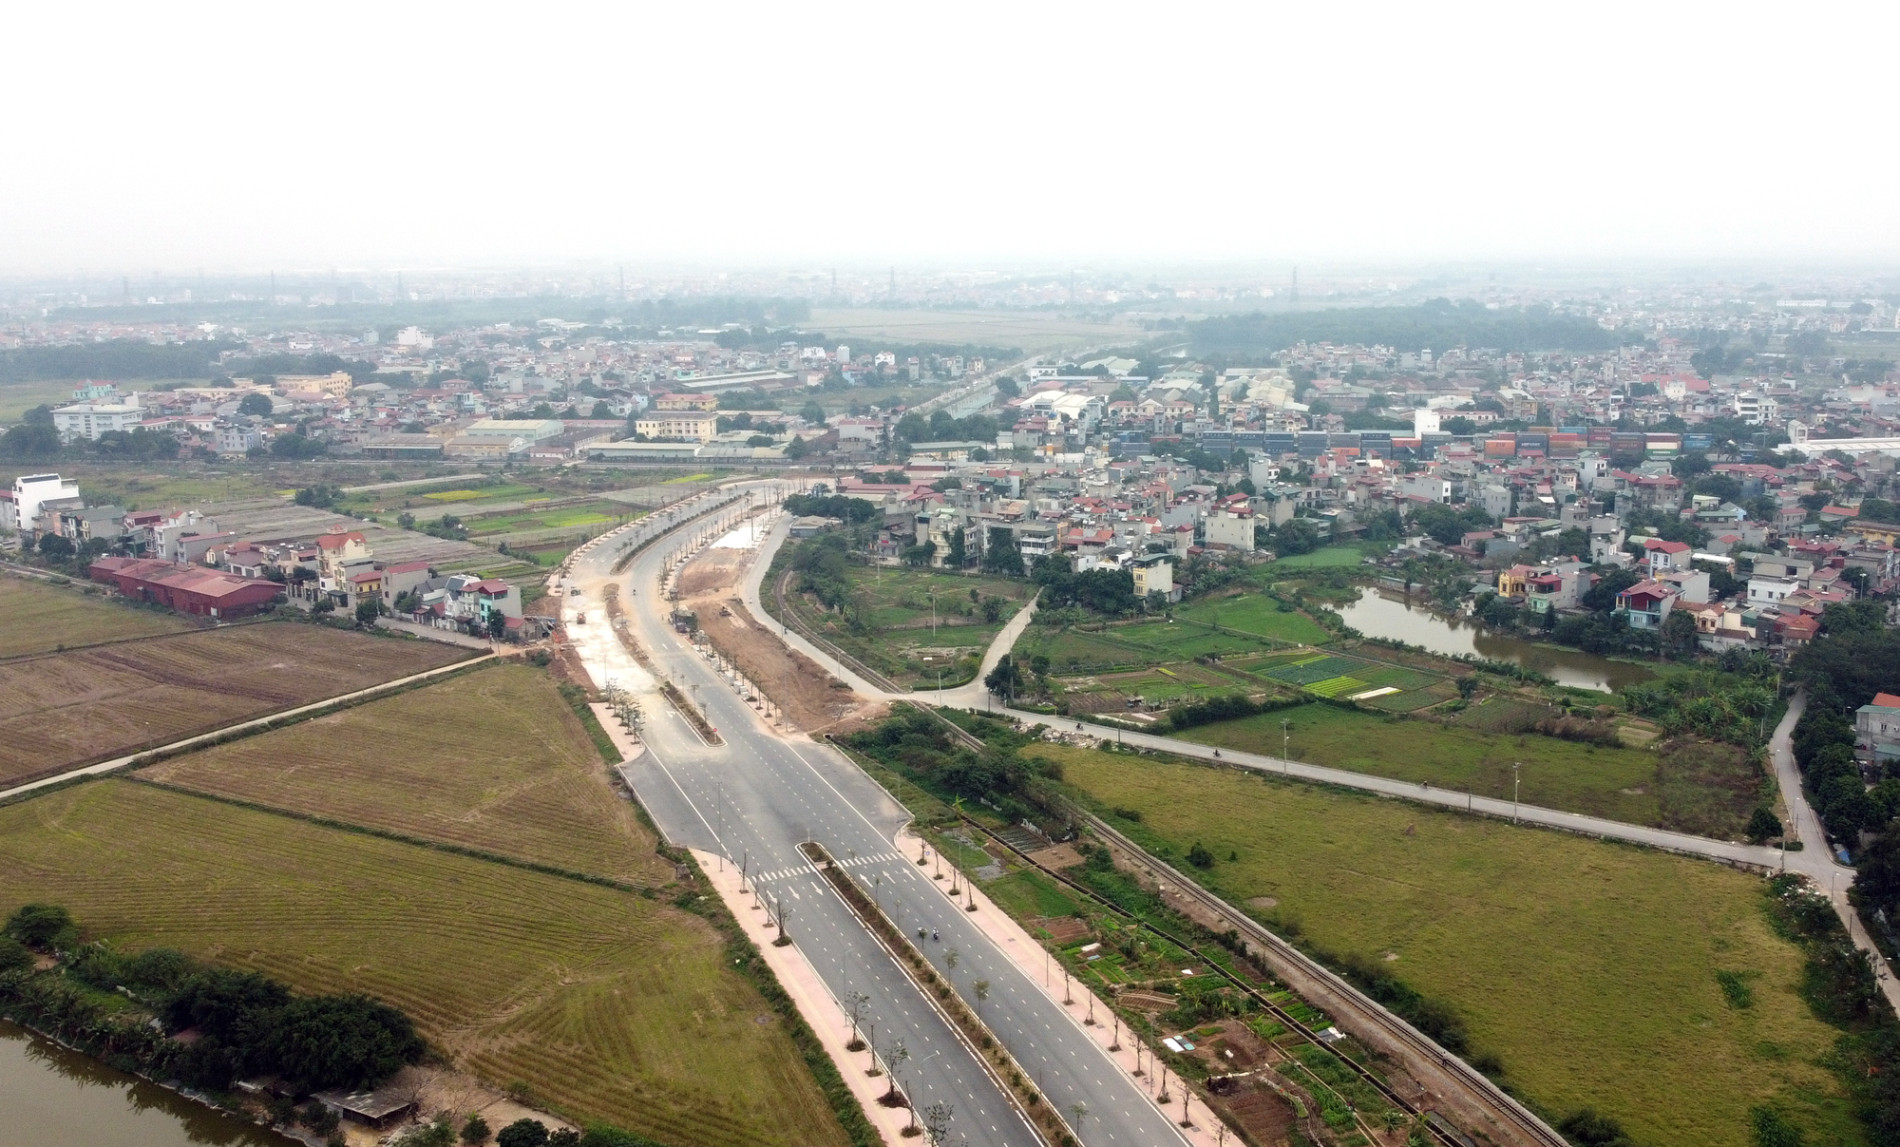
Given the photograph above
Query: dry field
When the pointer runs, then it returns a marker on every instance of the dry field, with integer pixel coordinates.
(68, 709)
(493, 760)
(39, 618)
(607, 1004)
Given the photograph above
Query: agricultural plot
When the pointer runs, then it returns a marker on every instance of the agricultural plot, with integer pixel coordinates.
(1612, 782)
(606, 1004)
(67, 709)
(495, 761)
(1326, 557)
(36, 617)
(1258, 614)
(1530, 937)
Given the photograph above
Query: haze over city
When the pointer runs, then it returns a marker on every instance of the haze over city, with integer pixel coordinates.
(235, 137)
(984, 575)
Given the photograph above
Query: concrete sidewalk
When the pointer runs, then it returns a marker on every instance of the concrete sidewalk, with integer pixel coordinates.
(814, 1001)
(1029, 955)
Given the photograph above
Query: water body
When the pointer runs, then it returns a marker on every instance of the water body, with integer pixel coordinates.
(52, 1097)
(1377, 615)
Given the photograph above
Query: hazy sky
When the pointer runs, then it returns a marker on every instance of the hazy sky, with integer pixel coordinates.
(175, 136)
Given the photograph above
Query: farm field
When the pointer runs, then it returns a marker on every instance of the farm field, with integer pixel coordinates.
(66, 709)
(606, 1004)
(1254, 613)
(37, 618)
(494, 760)
(1617, 783)
(1532, 937)
(898, 640)
(1327, 557)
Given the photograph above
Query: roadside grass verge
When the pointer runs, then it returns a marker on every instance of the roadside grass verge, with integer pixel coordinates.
(1591, 970)
(608, 1004)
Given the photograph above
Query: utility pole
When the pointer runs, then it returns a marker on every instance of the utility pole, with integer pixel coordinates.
(1516, 779)
(1286, 765)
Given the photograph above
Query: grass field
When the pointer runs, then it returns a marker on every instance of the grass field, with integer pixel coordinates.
(1588, 968)
(1326, 557)
(899, 641)
(37, 618)
(1254, 613)
(607, 1004)
(1616, 783)
(495, 760)
(63, 709)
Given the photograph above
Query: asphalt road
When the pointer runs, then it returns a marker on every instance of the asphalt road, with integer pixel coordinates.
(757, 797)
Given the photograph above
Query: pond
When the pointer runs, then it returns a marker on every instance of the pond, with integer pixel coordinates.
(1394, 618)
(52, 1097)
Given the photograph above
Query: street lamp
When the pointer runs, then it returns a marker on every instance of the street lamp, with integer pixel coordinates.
(1286, 764)
(1516, 779)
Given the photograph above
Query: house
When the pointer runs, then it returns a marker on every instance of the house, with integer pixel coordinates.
(1647, 603)
(1877, 730)
(336, 549)
(1666, 557)
(1230, 528)
(30, 492)
(1154, 573)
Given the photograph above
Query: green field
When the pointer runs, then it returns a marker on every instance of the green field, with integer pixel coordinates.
(1327, 557)
(1616, 783)
(1588, 968)
(897, 637)
(38, 618)
(494, 760)
(606, 1004)
(1254, 613)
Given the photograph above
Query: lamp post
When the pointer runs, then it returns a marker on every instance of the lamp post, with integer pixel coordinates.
(1516, 779)
(1286, 764)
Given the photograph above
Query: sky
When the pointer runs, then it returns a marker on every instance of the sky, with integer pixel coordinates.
(177, 137)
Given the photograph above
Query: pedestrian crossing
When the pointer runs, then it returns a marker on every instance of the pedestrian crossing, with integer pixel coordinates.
(848, 862)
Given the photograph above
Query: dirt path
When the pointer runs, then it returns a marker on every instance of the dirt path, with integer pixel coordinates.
(812, 699)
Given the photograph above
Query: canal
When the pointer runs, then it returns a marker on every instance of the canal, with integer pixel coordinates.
(1377, 614)
(52, 1097)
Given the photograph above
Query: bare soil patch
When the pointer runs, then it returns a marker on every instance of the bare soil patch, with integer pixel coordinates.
(1059, 856)
(62, 710)
(808, 694)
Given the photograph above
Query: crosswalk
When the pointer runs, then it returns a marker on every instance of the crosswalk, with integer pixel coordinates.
(848, 862)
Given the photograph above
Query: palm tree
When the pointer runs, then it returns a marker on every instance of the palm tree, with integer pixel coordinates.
(982, 988)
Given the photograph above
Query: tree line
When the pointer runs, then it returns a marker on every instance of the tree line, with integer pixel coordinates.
(1438, 324)
(117, 358)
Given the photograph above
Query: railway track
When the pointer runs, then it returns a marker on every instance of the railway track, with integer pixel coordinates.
(1479, 1087)
(787, 616)
(1519, 1119)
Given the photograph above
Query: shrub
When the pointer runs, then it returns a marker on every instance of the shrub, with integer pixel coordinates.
(45, 927)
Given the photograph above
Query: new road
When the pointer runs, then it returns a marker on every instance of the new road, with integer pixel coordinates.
(756, 797)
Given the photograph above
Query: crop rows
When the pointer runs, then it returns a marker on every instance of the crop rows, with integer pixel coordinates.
(65, 709)
(609, 1004)
(494, 760)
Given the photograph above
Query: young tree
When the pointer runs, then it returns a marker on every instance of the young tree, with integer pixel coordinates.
(1001, 555)
(475, 1131)
(1762, 826)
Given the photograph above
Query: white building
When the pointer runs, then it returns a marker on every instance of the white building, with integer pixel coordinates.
(30, 492)
(91, 419)
(1755, 409)
(1230, 529)
(1424, 421)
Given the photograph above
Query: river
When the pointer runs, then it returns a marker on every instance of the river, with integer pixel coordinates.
(52, 1097)
(1376, 614)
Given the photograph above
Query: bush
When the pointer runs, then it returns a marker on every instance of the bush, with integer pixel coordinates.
(14, 956)
(523, 1133)
(44, 927)
(1586, 1128)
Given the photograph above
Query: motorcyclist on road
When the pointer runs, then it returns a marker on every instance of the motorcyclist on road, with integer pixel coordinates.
(933, 935)
(1217, 754)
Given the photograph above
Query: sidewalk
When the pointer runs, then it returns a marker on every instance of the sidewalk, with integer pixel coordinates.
(813, 1000)
(628, 744)
(1022, 948)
